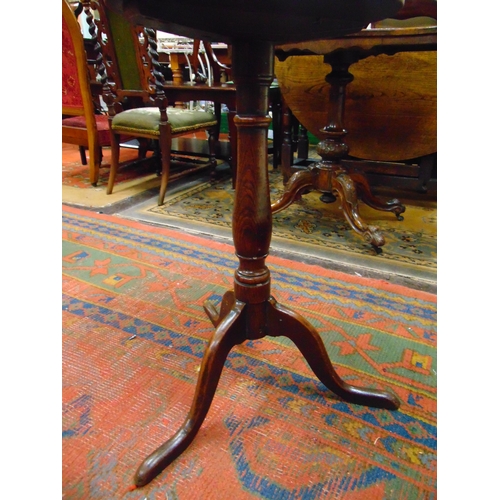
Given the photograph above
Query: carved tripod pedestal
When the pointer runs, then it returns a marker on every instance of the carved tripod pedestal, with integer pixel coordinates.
(330, 175)
(249, 311)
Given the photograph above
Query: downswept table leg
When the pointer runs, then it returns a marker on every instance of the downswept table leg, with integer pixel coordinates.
(323, 176)
(365, 194)
(283, 321)
(229, 333)
(343, 185)
(243, 321)
(298, 182)
(249, 312)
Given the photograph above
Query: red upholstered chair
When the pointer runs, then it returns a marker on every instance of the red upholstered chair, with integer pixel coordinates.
(80, 124)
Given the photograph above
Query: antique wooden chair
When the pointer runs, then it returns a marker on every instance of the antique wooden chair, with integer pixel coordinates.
(133, 91)
(122, 61)
(188, 85)
(123, 53)
(80, 124)
(157, 120)
(213, 68)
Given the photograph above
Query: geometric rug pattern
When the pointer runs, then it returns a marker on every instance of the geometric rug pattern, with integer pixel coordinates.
(76, 175)
(313, 227)
(134, 334)
(133, 178)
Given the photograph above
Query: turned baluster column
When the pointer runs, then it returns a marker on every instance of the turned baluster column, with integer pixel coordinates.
(333, 148)
(249, 312)
(332, 176)
(252, 218)
(286, 146)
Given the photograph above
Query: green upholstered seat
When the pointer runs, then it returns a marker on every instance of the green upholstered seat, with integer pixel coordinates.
(137, 62)
(147, 120)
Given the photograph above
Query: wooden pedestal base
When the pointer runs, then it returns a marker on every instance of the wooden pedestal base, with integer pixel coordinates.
(239, 321)
(250, 312)
(333, 179)
(330, 176)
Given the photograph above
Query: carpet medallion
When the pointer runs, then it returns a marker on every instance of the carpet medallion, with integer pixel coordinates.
(312, 227)
(134, 334)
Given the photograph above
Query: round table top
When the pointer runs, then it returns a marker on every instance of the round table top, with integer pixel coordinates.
(366, 42)
(277, 21)
(370, 41)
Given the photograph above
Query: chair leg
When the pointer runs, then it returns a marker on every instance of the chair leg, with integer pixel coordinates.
(95, 156)
(302, 144)
(143, 148)
(277, 140)
(212, 143)
(165, 151)
(286, 144)
(83, 155)
(233, 145)
(115, 158)
(218, 115)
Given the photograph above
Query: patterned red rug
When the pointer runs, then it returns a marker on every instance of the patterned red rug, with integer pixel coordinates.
(75, 174)
(134, 334)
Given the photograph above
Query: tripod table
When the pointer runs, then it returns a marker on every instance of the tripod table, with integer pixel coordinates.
(249, 311)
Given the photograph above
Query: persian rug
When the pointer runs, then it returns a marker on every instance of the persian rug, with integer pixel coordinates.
(132, 179)
(134, 334)
(312, 227)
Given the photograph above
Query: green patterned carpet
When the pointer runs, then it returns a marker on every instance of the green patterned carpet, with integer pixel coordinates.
(311, 227)
(134, 335)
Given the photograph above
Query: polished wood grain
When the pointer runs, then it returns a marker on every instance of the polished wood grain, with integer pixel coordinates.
(279, 21)
(249, 311)
(334, 176)
(390, 112)
(391, 103)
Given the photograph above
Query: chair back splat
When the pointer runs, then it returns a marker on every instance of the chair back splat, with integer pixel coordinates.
(122, 47)
(156, 121)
